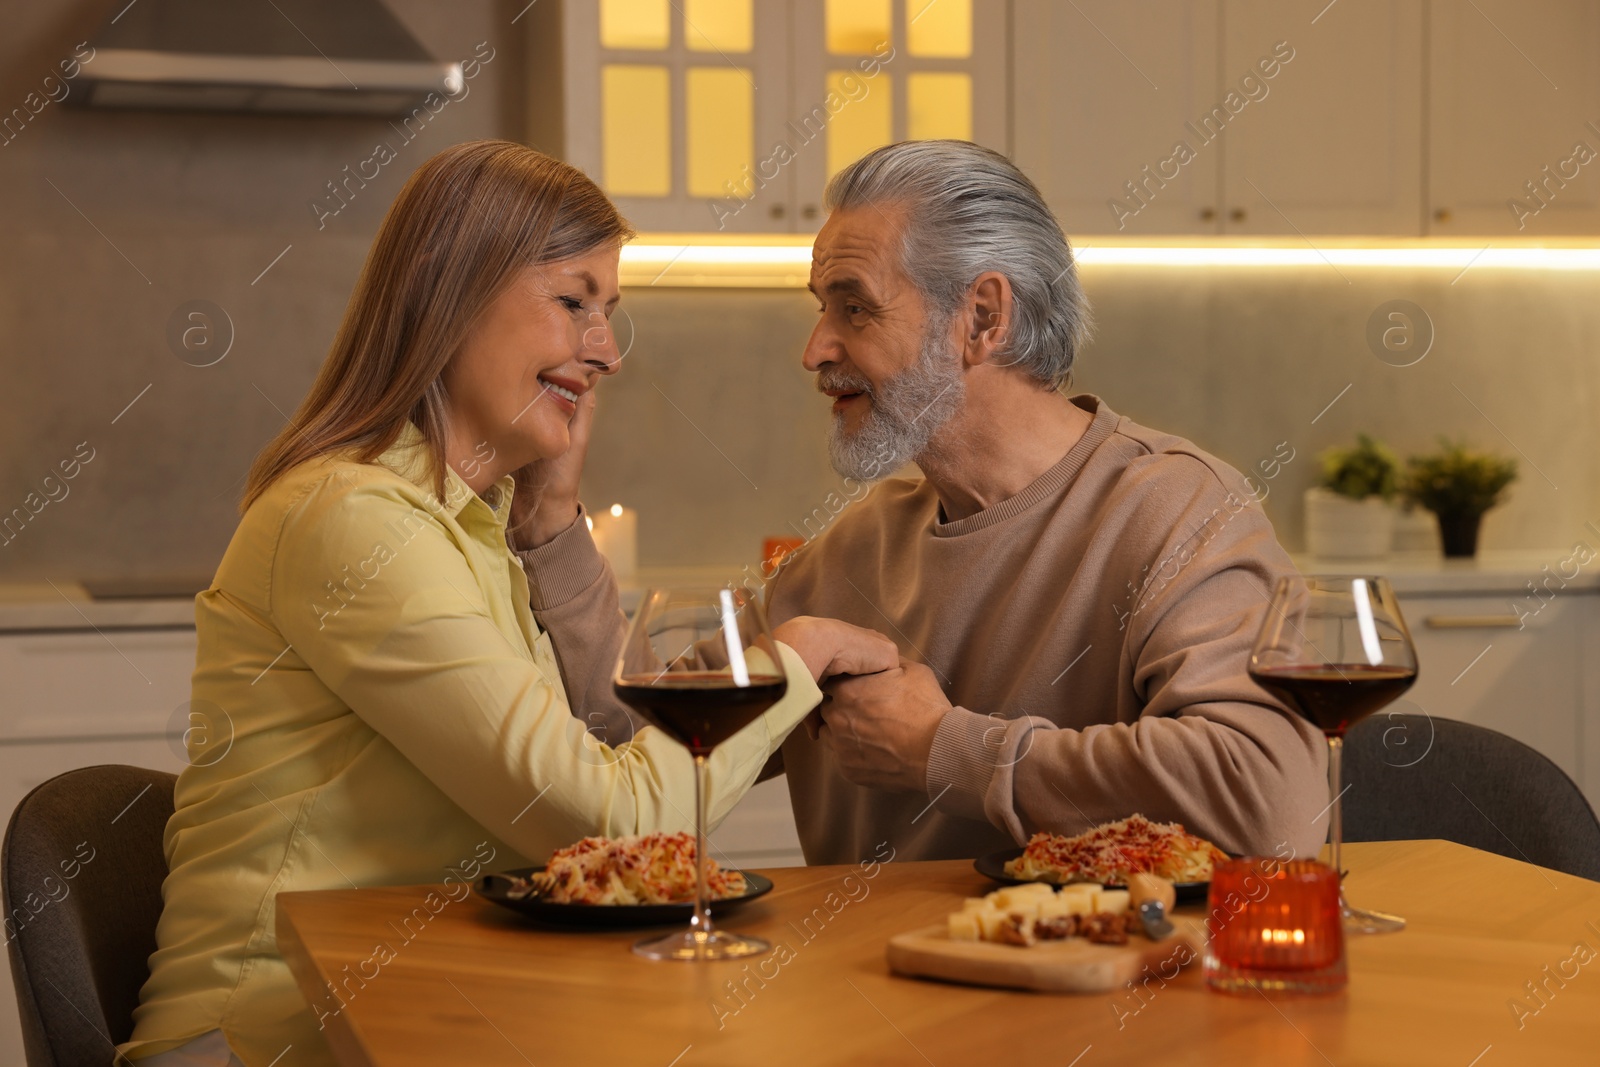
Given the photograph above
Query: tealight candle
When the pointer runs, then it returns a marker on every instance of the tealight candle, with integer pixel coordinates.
(616, 535)
(1275, 925)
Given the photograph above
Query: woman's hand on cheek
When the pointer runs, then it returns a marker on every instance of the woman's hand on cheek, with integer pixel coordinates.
(553, 504)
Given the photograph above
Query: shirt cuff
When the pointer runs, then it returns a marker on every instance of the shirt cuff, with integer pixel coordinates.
(563, 566)
(961, 763)
(800, 696)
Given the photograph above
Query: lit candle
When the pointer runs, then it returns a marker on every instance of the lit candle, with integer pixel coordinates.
(616, 535)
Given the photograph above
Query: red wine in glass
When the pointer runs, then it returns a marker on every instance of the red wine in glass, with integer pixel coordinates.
(700, 709)
(1335, 649)
(1335, 696)
(700, 665)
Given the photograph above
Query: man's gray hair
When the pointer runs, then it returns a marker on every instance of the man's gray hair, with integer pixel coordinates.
(970, 210)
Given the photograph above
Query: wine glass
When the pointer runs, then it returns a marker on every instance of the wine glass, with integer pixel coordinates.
(1336, 649)
(700, 664)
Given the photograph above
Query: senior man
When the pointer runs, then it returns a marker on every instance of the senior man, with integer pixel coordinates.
(1074, 595)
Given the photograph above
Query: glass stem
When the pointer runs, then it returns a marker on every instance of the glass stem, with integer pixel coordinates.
(700, 925)
(1335, 822)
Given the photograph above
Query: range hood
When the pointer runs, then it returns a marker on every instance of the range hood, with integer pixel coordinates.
(325, 57)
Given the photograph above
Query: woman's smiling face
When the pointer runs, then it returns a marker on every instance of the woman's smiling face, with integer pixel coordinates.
(539, 347)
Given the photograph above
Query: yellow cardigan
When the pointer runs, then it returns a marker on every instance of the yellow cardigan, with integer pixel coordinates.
(374, 704)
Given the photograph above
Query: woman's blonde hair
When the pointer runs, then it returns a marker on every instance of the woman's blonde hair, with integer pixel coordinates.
(464, 224)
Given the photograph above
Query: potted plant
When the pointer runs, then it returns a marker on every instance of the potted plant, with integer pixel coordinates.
(1458, 485)
(1349, 514)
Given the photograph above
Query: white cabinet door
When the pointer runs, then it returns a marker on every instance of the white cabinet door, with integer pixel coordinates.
(1335, 147)
(729, 115)
(1514, 110)
(1104, 93)
(1476, 665)
(673, 108)
(867, 73)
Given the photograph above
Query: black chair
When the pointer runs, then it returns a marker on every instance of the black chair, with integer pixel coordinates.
(1414, 776)
(81, 875)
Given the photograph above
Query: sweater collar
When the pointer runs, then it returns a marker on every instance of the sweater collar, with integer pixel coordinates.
(1047, 484)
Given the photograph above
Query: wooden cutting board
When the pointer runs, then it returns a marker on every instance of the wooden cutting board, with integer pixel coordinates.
(1070, 966)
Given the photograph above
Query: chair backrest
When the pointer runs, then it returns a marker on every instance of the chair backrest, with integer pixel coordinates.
(81, 875)
(1414, 776)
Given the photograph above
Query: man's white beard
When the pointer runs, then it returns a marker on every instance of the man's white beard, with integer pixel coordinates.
(902, 415)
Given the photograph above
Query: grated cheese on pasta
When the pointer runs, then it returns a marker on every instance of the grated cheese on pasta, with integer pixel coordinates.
(1111, 852)
(646, 869)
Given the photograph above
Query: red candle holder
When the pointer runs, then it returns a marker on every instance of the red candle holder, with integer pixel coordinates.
(1274, 925)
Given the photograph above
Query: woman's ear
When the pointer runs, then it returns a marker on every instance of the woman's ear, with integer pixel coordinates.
(990, 304)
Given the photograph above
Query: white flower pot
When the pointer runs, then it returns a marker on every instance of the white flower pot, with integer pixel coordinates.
(1340, 528)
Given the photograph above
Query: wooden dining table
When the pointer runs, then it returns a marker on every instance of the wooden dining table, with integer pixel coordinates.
(1497, 966)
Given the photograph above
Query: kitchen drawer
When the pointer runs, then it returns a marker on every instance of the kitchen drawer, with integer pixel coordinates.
(1479, 663)
(83, 684)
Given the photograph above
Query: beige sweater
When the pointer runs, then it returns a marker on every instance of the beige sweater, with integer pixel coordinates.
(1092, 632)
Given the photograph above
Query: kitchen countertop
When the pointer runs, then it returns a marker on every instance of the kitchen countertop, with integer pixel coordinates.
(1510, 572)
(35, 606)
(30, 607)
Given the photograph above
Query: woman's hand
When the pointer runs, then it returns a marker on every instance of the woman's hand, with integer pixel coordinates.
(831, 647)
(552, 501)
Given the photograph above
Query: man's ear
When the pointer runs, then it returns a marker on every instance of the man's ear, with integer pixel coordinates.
(989, 306)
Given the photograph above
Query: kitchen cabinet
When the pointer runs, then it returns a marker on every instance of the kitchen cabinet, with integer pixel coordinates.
(1102, 97)
(730, 115)
(1335, 146)
(1222, 116)
(1514, 118)
(1525, 676)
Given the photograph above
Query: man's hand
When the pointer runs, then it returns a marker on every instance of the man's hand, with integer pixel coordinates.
(831, 647)
(554, 505)
(880, 728)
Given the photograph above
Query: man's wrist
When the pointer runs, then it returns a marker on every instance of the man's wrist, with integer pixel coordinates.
(962, 762)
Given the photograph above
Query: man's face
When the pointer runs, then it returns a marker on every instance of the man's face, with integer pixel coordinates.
(888, 360)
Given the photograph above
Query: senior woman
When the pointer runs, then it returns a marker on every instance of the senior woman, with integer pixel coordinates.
(376, 695)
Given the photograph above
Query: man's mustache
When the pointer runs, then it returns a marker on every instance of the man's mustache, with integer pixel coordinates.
(842, 380)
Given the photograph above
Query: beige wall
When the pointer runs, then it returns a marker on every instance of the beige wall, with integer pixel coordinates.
(712, 432)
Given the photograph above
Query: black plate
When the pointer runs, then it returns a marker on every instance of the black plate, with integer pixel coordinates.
(496, 887)
(994, 866)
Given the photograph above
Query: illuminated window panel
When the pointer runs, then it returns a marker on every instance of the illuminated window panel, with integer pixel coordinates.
(857, 27)
(720, 117)
(939, 105)
(719, 25)
(863, 122)
(636, 139)
(642, 24)
(939, 28)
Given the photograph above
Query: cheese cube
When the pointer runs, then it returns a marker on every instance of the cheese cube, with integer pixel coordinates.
(1054, 906)
(975, 903)
(1078, 898)
(989, 922)
(963, 926)
(1114, 901)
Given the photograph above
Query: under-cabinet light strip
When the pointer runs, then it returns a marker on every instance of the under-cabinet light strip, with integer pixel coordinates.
(788, 264)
